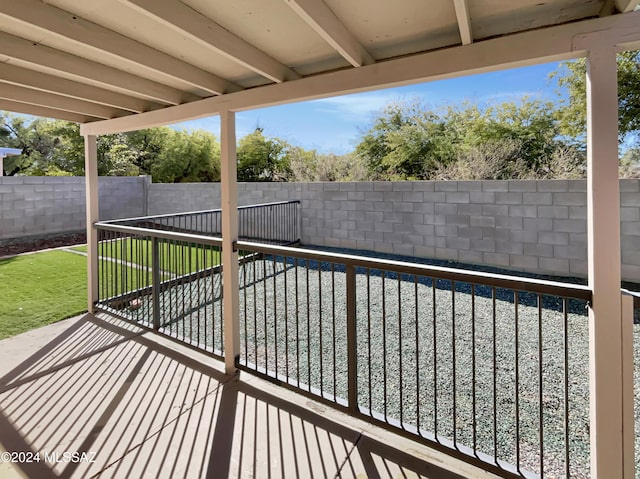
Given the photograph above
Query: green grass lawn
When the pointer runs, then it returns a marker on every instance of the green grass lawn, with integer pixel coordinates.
(42, 288)
(39, 289)
(175, 258)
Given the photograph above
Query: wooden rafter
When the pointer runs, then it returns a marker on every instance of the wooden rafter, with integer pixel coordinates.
(63, 24)
(183, 18)
(325, 23)
(464, 21)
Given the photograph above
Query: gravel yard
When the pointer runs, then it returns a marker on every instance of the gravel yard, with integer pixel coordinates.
(293, 323)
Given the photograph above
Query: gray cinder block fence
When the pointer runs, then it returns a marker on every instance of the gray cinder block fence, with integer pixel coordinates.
(535, 226)
(35, 205)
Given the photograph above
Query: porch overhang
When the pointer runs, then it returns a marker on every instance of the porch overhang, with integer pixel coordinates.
(130, 64)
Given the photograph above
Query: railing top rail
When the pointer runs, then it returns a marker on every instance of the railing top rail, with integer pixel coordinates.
(197, 212)
(153, 233)
(554, 288)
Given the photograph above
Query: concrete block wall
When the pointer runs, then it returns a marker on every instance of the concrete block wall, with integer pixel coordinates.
(181, 197)
(534, 226)
(32, 205)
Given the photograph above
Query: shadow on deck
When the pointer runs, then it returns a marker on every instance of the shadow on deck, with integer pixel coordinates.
(140, 405)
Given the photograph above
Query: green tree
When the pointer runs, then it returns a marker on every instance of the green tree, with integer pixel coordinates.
(529, 127)
(405, 142)
(261, 158)
(148, 145)
(187, 157)
(310, 166)
(510, 140)
(55, 147)
(33, 138)
(571, 76)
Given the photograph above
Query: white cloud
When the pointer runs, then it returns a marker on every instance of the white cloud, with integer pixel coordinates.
(358, 107)
(511, 96)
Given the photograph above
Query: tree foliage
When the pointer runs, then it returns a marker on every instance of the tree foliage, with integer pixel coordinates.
(261, 158)
(510, 140)
(187, 157)
(55, 147)
(571, 77)
(310, 166)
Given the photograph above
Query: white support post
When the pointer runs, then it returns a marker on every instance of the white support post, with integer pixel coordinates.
(91, 192)
(230, 265)
(603, 220)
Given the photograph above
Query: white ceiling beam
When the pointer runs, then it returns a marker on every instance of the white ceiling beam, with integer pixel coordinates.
(324, 22)
(26, 109)
(611, 7)
(511, 51)
(186, 20)
(53, 20)
(464, 20)
(624, 6)
(61, 86)
(56, 60)
(57, 102)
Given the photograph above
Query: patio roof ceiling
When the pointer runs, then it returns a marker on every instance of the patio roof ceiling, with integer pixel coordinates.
(113, 59)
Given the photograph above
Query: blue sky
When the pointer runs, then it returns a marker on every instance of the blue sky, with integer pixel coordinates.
(336, 124)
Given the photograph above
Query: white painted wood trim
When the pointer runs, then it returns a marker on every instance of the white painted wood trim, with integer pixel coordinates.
(53, 84)
(58, 61)
(325, 23)
(92, 197)
(464, 21)
(520, 49)
(603, 232)
(56, 21)
(230, 264)
(8, 105)
(626, 5)
(182, 18)
(58, 102)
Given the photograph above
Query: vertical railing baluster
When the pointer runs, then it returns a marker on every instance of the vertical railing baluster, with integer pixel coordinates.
(155, 282)
(333, 316)
(384, 345)
(495, 376)
(308, 297)
(369, 382)
(352, 346)
(473, 366)
(295, 265)
(246, 319)
(321, 356)
(565, 345)
(417, 349)
(286, 318)
(517, 373)
(400, 347)
(540, 395)
(453, 364)
(255, 310)
(275, 315)
(265, 317)
(434, 351)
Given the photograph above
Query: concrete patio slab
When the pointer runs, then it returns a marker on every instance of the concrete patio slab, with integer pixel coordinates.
(140, 405)
(61, 343)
